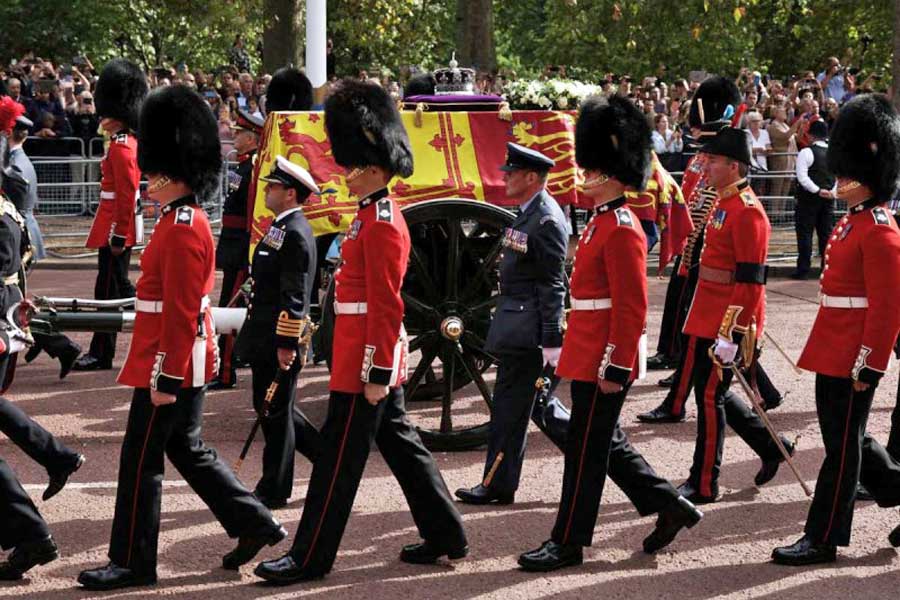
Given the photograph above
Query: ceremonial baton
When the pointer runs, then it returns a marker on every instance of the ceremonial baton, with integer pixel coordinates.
(765, 419)
(280, 377)
(781, 351)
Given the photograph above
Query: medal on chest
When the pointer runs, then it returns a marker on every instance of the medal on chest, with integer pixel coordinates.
(515, 240)
(274, 238)
(234, 181)
(355, 226)
(718, 220)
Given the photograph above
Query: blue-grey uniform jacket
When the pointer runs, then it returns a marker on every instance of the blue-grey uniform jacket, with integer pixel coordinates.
(532, 280)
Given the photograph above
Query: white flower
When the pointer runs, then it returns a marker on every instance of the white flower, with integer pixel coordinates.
(562, 102)
(544, 102)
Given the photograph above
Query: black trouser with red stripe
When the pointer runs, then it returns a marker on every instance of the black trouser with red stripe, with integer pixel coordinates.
(682, 380)
(21, 521)
(596, 447)
(284, 428)
(232, 280)
(112, 283)
(670, 338)
(716, 405)
(173, 431)
(851, 455)
(350, 428)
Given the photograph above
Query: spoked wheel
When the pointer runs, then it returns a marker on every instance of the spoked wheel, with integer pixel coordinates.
(449, 292)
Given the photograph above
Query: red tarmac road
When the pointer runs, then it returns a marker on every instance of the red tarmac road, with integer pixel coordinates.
(725, 556)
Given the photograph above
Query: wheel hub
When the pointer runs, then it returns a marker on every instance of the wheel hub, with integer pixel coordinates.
(452, 328)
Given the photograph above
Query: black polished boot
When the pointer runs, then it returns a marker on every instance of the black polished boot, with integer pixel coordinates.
(67, 359)
(249, 546)
(769, 468)
(667, 382)
(677, 515)
(426, 553)
(804, 552)
(27, 555)
(661, 361)
(59, 480)
(660, 414)
(284, 571)
(484, 495)
(113, 577)
(551, 556)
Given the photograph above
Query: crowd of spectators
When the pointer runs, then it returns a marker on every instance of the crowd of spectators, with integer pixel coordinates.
(59, 101)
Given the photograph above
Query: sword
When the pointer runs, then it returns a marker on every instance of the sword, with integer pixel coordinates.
(784, 354)
(757, 405)
(543, 389)
(280, 377)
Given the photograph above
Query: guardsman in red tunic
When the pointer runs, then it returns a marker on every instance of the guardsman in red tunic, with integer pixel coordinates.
(729, 303)
(173, 353)
(120, 91)
(369, 356)
(853, 336)
(600, 350)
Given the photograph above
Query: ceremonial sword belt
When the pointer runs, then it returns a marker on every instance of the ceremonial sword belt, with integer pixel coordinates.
(591, 304)
(843, 301)
(350, 308)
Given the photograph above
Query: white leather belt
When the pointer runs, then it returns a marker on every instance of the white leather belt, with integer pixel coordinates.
(843, 301)
(156, 306)
(107, 195)
(350, 308)
(593, 304)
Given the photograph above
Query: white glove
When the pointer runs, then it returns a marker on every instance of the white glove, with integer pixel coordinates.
(725, 351)
(551, 356)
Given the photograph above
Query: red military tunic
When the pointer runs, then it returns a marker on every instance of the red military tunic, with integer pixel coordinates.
(731, 287)
(173, 344)
(862, 261)
(610, 264)
(370, 344)
(114, 223)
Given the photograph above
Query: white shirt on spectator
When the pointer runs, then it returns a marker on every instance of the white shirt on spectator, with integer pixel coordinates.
(763, 141)
(665, 145)
(804, 161)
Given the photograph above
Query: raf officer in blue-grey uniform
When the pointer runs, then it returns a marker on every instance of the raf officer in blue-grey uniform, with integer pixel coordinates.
(526, 332)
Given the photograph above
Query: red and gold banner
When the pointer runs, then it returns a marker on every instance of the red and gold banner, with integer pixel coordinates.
(456, 155)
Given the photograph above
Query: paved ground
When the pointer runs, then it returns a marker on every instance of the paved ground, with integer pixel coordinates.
(725, 556)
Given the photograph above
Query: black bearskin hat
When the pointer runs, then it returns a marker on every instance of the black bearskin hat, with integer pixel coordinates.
(422, 84)
(178, 137)
(365, 129)
(715, 94)
(120, 90)
(865, 144)
(289, 90)
(613, 136)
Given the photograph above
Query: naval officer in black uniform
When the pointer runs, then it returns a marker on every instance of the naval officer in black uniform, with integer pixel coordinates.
(526, 332)
(282, 271)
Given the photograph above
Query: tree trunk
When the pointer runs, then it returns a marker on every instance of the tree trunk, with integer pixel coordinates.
(475, 34)
(895, 61)
(283, 34)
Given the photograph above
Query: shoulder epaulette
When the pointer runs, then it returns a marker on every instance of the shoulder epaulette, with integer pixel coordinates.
(748, 198)
(623, 217)
(881, 216)
(384, 211)
(120, 138)
(8, 208)
(184, 215)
